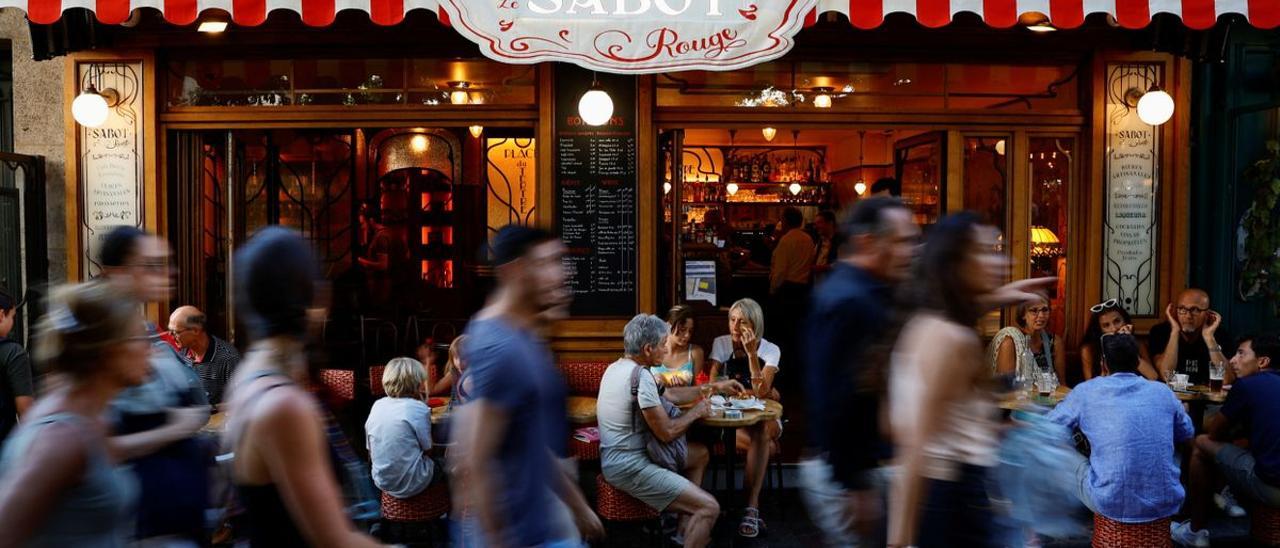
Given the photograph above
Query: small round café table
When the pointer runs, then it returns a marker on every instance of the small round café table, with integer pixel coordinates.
(728, 429)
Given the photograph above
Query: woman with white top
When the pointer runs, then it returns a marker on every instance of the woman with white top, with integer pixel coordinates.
(745, 356)
(944, 414)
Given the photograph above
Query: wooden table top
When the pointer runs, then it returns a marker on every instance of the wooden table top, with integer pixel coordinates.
(1201, 393)
(579, 409)
(1011, 402)
(772, 411)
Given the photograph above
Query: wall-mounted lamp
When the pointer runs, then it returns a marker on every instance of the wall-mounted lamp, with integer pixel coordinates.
(460, 95)
(1156, 106)
(769, 133)
(822, 99)
(92, 107)
(213, 24)
(419, 143)
(476, 131)
(666, 187)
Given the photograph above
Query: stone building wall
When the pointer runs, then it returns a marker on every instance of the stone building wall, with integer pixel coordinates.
(38, 127)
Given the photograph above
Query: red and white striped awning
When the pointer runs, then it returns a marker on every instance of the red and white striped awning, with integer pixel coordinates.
(865, 14)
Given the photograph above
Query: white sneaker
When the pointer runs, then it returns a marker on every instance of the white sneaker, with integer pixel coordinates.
(1226, 502)
(1182, 534)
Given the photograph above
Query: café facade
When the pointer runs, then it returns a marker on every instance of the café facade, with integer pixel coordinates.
(661, 139)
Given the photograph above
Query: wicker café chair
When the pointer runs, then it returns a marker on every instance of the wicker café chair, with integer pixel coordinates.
(582, 378)
(341, 383)
(1113, 534)
(410, 519)
(1264, 525)
(617, 506)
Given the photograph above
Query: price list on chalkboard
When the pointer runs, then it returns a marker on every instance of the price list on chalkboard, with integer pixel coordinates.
(596, 194)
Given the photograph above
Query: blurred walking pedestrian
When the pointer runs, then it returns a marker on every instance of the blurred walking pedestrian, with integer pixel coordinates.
(155, 423)
(282, 470)
(848, 338)
(943, 408)
(17, 390)
(59, 485)
(514, 428)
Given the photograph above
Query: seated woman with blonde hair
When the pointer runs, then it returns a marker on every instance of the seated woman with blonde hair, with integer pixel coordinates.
(398, 432)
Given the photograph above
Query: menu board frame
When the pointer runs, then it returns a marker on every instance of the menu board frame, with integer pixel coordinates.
(596, 181)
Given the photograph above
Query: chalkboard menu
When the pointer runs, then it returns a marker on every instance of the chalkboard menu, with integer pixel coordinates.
(596, 194)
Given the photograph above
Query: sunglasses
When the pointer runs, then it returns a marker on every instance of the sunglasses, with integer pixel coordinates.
(1109, 303)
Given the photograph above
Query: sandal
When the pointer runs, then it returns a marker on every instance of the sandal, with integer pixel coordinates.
(751, 523)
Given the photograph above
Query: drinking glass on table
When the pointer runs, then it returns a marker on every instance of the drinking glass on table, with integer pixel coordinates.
(757, 385)
(1216, 371)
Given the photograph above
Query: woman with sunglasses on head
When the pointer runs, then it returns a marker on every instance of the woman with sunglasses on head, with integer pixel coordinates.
(1109, 318)
(1029, 346)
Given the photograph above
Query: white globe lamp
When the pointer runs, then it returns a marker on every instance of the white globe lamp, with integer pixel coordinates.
(595, 107)
(1155, 107)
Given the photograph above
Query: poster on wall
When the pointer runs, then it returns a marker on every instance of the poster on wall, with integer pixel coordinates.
(111, 160)
(1132, 183)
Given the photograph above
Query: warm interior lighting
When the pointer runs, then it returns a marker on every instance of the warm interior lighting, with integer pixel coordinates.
(212, 26)
(731, 188)
(794, 188)
(823, 98)
(476, 131)
(1000, 147)
(1036, 22)
(769, 133)
(460, 95)
(666, 188)
(419, 143)
(595, 107)
(91, 108)
(1042, 27)
(1155, 107)
(1044, 243)
(860, 187)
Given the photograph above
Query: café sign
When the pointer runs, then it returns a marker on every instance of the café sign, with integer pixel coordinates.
(632, 36)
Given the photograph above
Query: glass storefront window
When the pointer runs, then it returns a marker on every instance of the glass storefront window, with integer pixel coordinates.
(350, 82)
(986, 178)
(805, 84)
(1051, 175)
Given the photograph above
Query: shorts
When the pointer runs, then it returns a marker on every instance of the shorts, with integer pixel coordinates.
(1238, 466)
(639, 477)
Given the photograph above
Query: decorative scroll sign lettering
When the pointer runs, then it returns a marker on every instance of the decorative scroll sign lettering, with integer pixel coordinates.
(632, 36)
(111, 156)
(1132, 185)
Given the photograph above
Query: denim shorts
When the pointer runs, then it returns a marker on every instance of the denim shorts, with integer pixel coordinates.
(1238, 466)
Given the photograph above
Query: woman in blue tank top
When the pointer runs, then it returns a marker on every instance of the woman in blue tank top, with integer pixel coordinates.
(684, 359)
(58, 484)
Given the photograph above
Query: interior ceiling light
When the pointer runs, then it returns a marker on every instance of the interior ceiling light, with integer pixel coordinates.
(1156, 106)
(794, 188)
(595, 107)
(822, 97)
(476, 131)
(731, 188)
(459, 95)
(860, 187)
(419, 143)
(666, 187)
(769, 133)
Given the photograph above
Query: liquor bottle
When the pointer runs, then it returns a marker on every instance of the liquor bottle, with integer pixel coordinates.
(767, 175)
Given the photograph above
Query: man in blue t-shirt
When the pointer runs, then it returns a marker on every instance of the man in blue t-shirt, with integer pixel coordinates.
(513, 429)
(1252, 407)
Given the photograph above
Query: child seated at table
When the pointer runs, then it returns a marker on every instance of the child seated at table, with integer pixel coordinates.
(398, 432)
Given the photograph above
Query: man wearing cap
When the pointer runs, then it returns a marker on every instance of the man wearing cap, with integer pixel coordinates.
(16, 388)
(214, 359)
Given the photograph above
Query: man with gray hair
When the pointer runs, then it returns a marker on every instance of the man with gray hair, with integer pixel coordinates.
(630, 409)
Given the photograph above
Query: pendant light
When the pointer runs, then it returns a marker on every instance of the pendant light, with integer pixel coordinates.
(860, 187)
(794, 188)
(595, 107)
